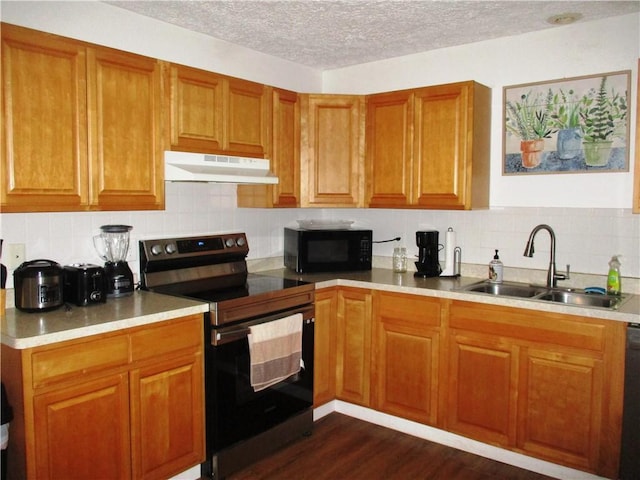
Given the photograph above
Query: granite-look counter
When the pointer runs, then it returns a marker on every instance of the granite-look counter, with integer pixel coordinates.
(21, 330)
(24, 330)
(448, 287)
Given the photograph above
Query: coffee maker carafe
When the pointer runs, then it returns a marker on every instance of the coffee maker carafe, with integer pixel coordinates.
(112, 245)
(427, 264)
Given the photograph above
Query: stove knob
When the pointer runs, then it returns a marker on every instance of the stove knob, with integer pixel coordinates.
(156, 249)
(170, 248)
(229, 243)
(240, 241)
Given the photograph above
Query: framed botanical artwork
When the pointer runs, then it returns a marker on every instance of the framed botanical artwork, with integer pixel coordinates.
(571, 125)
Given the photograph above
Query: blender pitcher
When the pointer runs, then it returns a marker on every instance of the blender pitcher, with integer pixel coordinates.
(113, 245)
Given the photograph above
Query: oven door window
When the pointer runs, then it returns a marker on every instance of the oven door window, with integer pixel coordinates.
(235, 410)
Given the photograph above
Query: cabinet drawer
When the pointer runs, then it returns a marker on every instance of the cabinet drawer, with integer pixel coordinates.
(179, 334)
(410, 309)
(56, 364)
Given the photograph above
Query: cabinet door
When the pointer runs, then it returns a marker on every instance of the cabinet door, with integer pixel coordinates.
(451, 146)
(324, 373)
(440, 146)
(167, 398)
(167, 417)
(285, 157)
(405, 360)
(560, 407)
(353, 364)
(196, 110)
(125, 95)
(83, 431)
(483, 380)
(332, 151)
(248, 118)
(44, 124)
(389, 142)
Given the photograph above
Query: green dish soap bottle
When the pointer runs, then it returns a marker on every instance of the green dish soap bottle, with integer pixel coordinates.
(614, 281)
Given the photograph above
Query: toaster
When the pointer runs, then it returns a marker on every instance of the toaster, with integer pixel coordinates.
(84, 284)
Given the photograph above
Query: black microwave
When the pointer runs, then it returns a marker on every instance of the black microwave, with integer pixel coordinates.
(308, 251)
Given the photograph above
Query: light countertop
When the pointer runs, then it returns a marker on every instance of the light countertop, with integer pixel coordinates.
(25, 330)
(447, 287)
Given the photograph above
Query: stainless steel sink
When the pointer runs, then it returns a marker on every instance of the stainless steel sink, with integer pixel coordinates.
(565, 296)
(582, 299)
(506, 289)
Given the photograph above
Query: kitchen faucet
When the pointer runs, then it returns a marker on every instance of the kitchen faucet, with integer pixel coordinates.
(552, 275)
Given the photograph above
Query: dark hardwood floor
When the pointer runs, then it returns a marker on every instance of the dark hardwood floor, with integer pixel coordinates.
(342, 447)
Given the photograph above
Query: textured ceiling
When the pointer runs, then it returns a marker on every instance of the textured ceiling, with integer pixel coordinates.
(327, 34)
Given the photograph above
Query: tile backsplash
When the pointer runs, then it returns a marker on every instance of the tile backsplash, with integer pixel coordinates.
(586, 238)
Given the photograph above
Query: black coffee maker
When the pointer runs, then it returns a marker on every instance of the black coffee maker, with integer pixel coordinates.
(427, 264)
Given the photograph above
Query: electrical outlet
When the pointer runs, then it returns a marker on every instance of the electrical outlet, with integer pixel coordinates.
(13, 254)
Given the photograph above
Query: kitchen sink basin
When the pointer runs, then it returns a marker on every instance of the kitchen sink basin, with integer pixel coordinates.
(582, 299)
(565, 296)
(505, 289)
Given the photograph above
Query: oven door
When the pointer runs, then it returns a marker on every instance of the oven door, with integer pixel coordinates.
(235, 412)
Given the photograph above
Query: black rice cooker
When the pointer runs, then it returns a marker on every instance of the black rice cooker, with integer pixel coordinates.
(38, 286)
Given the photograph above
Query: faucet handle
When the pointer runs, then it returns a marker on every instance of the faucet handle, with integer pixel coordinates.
(564, 276)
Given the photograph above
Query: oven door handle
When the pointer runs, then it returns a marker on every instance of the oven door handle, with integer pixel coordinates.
(231, 334)
(225, 336)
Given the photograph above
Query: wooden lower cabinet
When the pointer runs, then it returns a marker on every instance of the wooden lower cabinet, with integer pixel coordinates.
(324, 362)
(544, 384)
(406, 355)
(119, 405)
(82, 431)
(547, 385)
(353, 363)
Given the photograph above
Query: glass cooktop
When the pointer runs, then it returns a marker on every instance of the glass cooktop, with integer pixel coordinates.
(254, 286)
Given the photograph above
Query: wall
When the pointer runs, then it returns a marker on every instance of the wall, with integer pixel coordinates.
(569, 51)
(591, 225)
(103, 24)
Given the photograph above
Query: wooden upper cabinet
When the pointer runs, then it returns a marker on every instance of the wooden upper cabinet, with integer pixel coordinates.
(433, 150)
(332, 151)
(284, 158)
(196, 110)
(82, 126)
(44, 122)
(213, 113)
(249, 118)
(389, 143)
(125, 101)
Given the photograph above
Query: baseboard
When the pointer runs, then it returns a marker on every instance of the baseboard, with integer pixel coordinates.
(452, 440)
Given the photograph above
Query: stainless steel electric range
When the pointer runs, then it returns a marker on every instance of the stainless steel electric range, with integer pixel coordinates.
(242, 425)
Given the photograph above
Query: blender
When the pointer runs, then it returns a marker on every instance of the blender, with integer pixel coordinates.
(112, 245)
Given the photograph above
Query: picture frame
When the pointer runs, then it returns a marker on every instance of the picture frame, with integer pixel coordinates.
(569, 125)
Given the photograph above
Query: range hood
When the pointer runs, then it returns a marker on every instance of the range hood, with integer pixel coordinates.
(202, 167)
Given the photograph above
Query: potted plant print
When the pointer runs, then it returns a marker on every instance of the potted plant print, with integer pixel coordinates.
(603, 118)
(565, 117)
(529, 119)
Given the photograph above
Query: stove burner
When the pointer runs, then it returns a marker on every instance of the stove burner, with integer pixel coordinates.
(213, 269)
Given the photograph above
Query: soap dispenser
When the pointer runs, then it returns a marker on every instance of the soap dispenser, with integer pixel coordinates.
(495, 269)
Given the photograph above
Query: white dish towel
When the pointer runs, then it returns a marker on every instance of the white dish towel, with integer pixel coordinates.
(275, 351)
